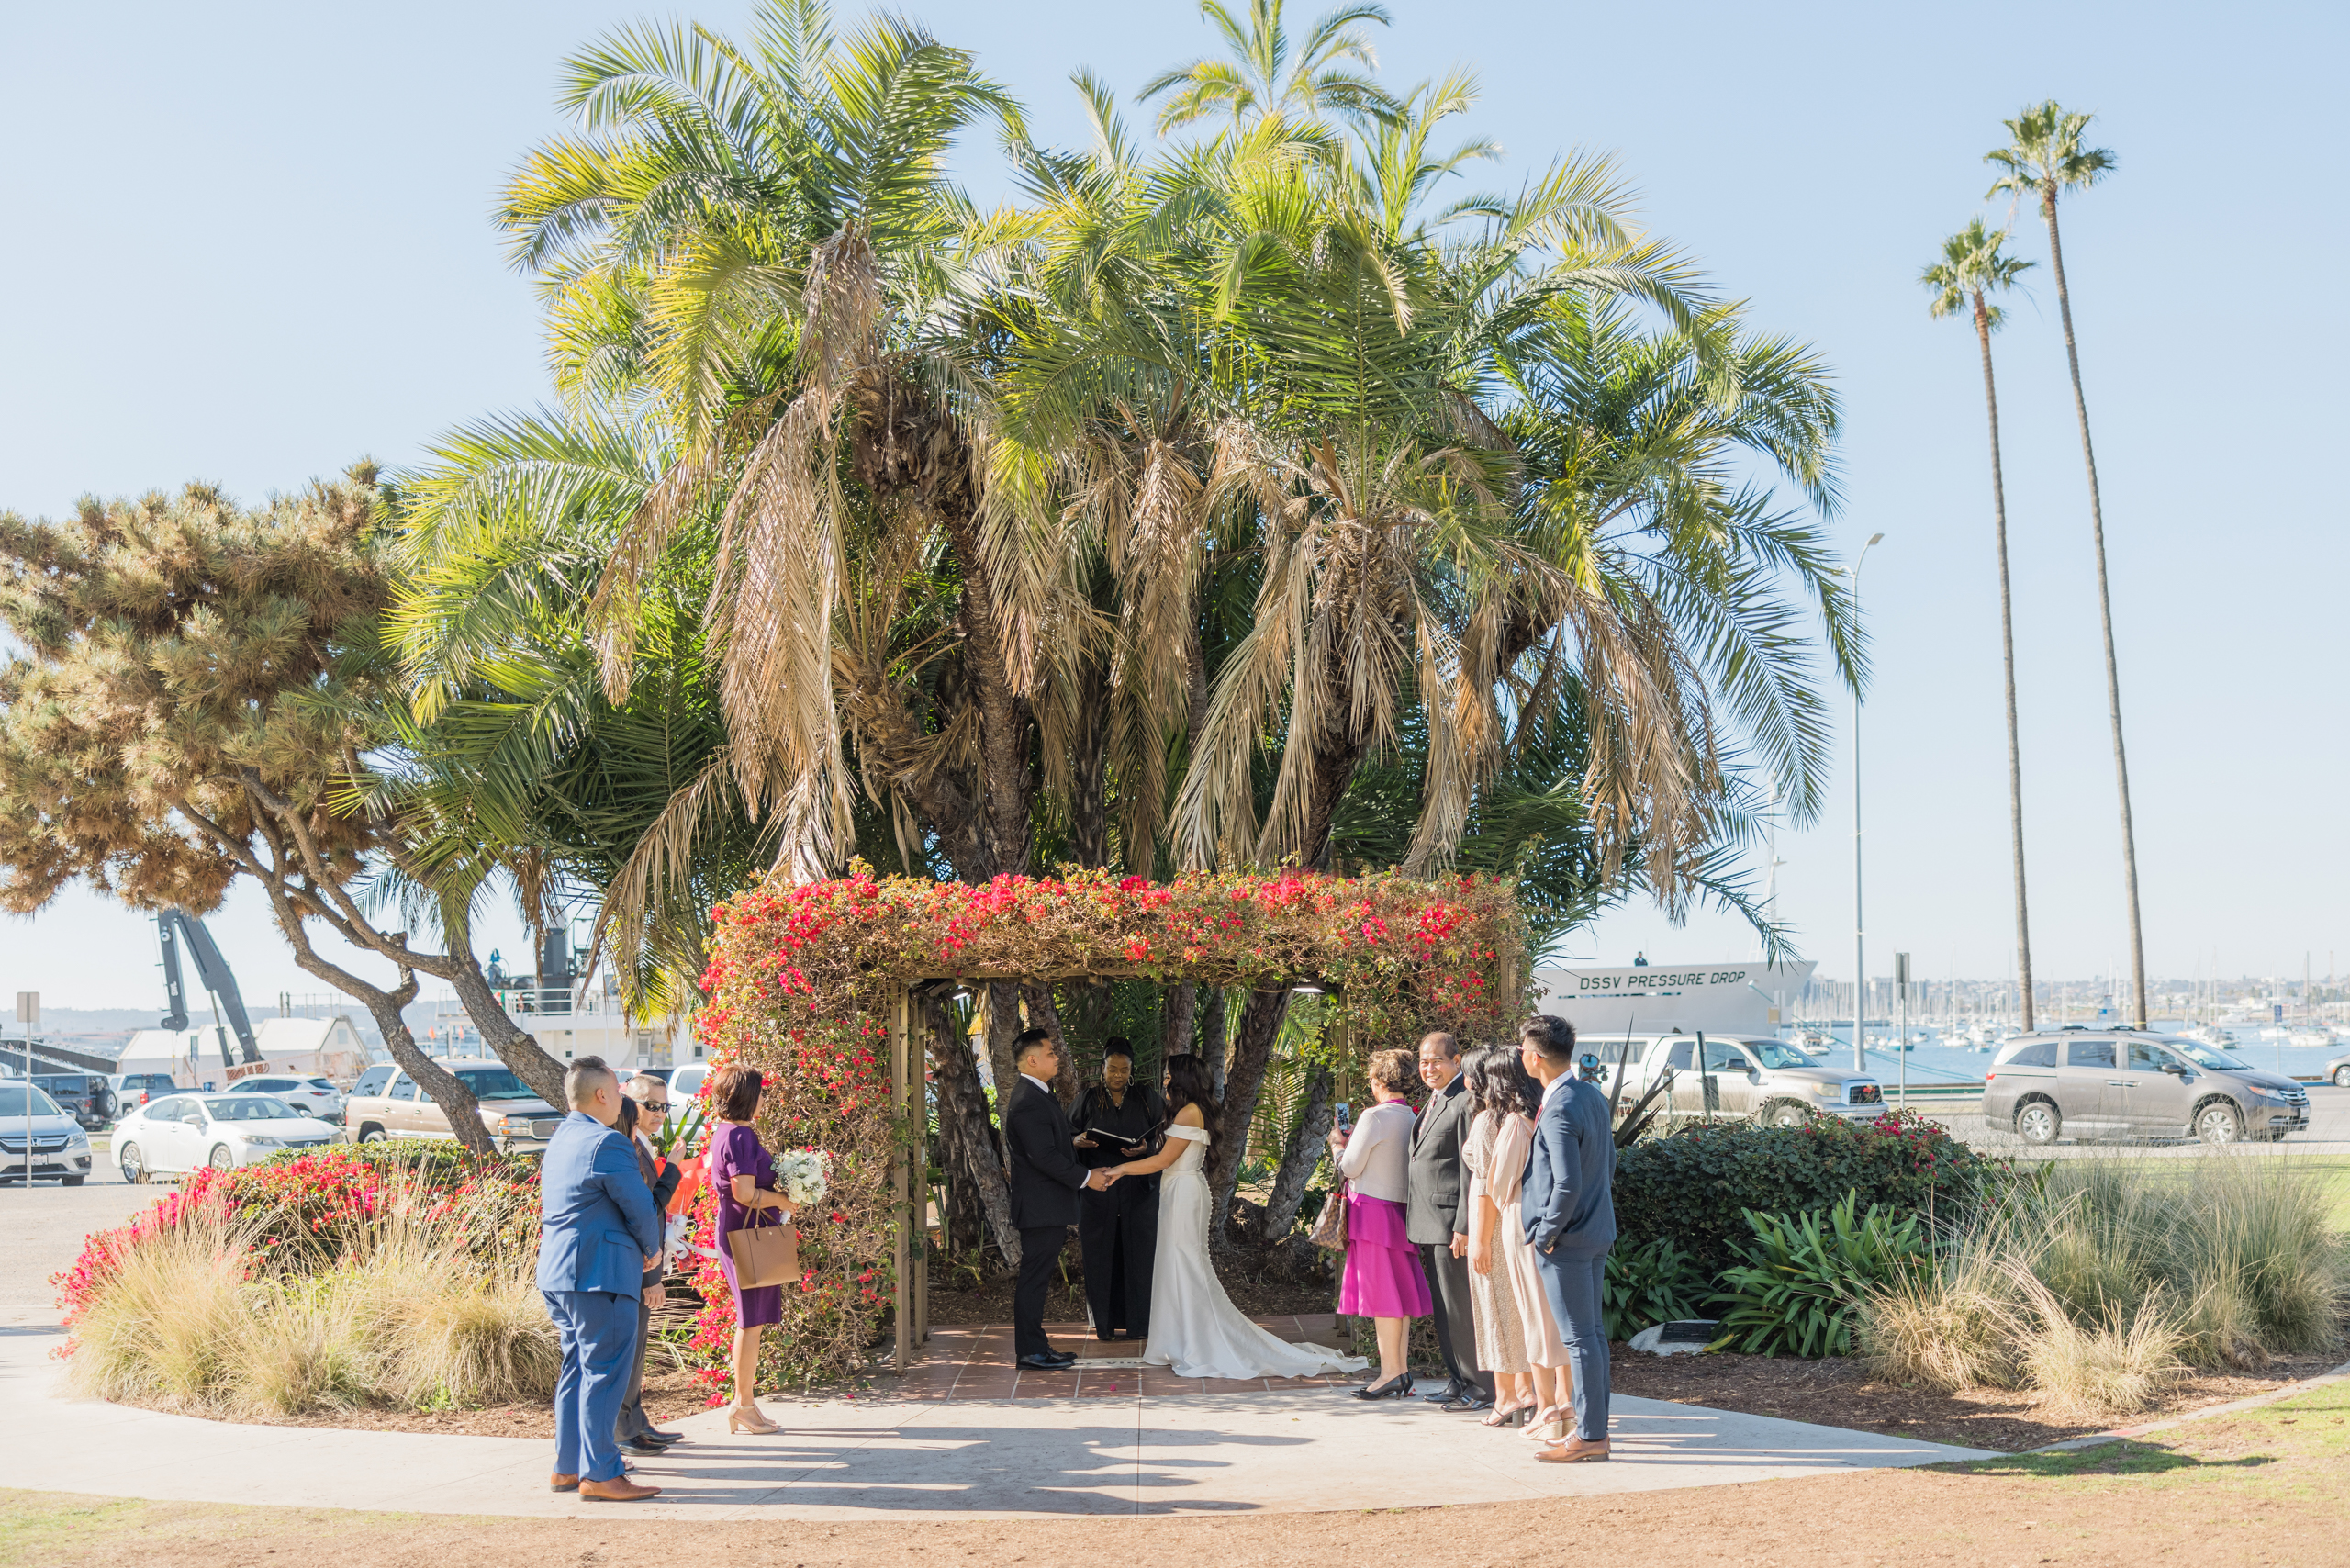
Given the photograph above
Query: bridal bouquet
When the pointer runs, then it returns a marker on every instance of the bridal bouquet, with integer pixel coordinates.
(800, 1176)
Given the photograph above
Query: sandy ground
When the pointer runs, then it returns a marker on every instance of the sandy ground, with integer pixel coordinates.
(2268, 1486)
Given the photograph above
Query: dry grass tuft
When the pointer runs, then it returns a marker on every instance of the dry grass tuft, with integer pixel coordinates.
(192, 1320)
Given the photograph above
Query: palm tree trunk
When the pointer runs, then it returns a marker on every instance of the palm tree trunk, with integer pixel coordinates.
(967, 1139)
(2007, 655)
(1300, 1156)
(2105, 619)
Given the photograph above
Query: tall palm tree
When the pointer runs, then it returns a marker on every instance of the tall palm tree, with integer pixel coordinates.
(2045, 158)
(1973, 268)
(1258, 82)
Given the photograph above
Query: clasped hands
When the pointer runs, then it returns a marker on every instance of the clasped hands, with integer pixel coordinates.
(1100, 1181)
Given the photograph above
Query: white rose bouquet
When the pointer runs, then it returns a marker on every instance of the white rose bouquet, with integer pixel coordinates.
(800, 1176)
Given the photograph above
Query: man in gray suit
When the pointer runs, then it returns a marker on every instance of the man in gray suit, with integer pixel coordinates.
(1570, 1215)
(1434, 1221)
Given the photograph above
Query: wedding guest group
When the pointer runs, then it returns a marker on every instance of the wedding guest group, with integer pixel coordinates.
(1505, 1176)
(1119, 1120)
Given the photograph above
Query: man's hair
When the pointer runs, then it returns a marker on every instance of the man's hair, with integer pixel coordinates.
(583, 1078)
(645, 1084)
(1115, 1046)
(1027, 1038)
(1442, 1042)
(1553, 1038)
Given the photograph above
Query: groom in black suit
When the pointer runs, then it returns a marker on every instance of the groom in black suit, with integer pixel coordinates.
(1435, 1220)
(1045, 1180)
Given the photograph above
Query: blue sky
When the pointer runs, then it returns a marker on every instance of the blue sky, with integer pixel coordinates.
(250, 243)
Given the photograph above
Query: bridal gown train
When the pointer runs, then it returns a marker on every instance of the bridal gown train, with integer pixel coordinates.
(1195, 1327)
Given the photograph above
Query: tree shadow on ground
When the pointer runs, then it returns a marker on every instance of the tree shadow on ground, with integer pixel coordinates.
(2122, 1458)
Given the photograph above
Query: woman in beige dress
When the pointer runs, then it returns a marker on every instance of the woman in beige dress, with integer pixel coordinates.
(1517, 1098)
(1501, 1335)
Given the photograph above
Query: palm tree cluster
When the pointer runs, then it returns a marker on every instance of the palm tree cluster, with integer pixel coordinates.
(1263, 493)
(2045, 157)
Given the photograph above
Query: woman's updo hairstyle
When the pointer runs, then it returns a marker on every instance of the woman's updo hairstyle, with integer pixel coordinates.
(1394, 1071)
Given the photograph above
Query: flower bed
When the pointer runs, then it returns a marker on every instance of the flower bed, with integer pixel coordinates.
(398, 1277)
(804, 976)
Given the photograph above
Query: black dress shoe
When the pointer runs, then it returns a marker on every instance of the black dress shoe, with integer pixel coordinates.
(1450, 1391)
(644, 1442)
(660, 1437)
(1048, 1363)
(1470, 1401)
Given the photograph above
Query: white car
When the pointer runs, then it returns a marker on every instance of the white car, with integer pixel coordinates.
(312, 1096)
(61, 1149)
(186, 1132)
(685, 1088)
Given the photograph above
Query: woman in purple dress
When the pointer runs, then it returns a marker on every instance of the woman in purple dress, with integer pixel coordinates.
(742, 1174)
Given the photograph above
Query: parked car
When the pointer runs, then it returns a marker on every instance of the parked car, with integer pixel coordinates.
(685, 1089)
(61, 1149)
(180, 1133)
(1752, 1076)
(2105, 1084)
(85, 1096)
(387, 1102)
(312, 1096)
(132, 1090)
(2338, 1070)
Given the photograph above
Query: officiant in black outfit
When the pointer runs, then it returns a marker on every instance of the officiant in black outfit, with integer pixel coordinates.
(1119, 1228)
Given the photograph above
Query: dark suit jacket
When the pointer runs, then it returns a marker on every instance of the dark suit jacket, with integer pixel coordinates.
(1045, 1175)
(1432, 1204)
(1567, 1207)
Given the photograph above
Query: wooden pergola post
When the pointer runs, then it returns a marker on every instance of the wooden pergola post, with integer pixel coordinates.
(902, 1184)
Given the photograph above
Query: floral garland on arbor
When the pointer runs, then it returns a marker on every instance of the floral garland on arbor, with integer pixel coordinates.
(804, 979)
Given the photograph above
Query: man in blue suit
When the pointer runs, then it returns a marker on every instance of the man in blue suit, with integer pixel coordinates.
(1570, 1220)
(599, 1232)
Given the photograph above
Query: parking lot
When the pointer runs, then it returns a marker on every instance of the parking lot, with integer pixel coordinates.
(47, 1223)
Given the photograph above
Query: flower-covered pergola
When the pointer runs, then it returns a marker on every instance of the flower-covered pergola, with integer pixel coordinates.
(813, 983)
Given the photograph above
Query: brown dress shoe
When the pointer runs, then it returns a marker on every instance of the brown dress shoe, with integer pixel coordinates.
(559, 1482)
(1575, 1451)
(618, 1489)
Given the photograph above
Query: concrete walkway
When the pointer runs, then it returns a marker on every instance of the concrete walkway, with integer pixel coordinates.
(879, 1459)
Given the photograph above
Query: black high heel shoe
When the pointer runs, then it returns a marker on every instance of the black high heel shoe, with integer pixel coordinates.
(1395, 1387)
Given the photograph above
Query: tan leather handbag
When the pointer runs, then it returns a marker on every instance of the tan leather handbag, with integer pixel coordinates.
(764, 1254)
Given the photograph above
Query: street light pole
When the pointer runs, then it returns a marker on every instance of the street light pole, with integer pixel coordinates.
(1860, 964)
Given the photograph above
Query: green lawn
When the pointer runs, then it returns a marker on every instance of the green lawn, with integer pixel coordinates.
(2298, 1448)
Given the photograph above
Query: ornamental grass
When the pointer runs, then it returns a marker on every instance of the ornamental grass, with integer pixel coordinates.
(224, 1301)
(2097, 1281)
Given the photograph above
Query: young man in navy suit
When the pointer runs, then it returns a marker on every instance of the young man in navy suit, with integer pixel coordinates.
(600, 1231)
(1570, 1220)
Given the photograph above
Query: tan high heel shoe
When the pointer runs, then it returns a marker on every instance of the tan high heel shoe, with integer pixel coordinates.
(749, 1418)
(1546, 1426)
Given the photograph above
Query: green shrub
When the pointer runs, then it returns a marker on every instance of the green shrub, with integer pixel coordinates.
(1653, 1282)
(1695, 1184)
(1800, 1284)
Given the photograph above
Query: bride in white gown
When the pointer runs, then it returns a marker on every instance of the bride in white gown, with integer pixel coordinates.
(1195, 1327)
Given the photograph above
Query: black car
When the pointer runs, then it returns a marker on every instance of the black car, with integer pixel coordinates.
(84, 1096)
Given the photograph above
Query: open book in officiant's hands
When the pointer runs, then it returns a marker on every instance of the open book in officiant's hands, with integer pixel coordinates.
(1103, 1135)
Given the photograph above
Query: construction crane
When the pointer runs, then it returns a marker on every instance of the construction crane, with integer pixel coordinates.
(176, 926)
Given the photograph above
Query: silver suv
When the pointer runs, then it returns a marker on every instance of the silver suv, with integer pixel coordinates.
(1756, 1075)
(2119, 1084)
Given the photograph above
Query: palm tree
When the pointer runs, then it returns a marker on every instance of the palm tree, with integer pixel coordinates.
(1972, 269)
(2045, 158)
(1259, 83)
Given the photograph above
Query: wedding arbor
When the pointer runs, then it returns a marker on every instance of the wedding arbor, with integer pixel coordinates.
(818, 985)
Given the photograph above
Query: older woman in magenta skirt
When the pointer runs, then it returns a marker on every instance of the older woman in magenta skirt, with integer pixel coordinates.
(1383, 1280)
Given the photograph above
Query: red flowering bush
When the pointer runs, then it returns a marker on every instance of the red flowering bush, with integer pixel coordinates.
(312, 1210)
(804, 976)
